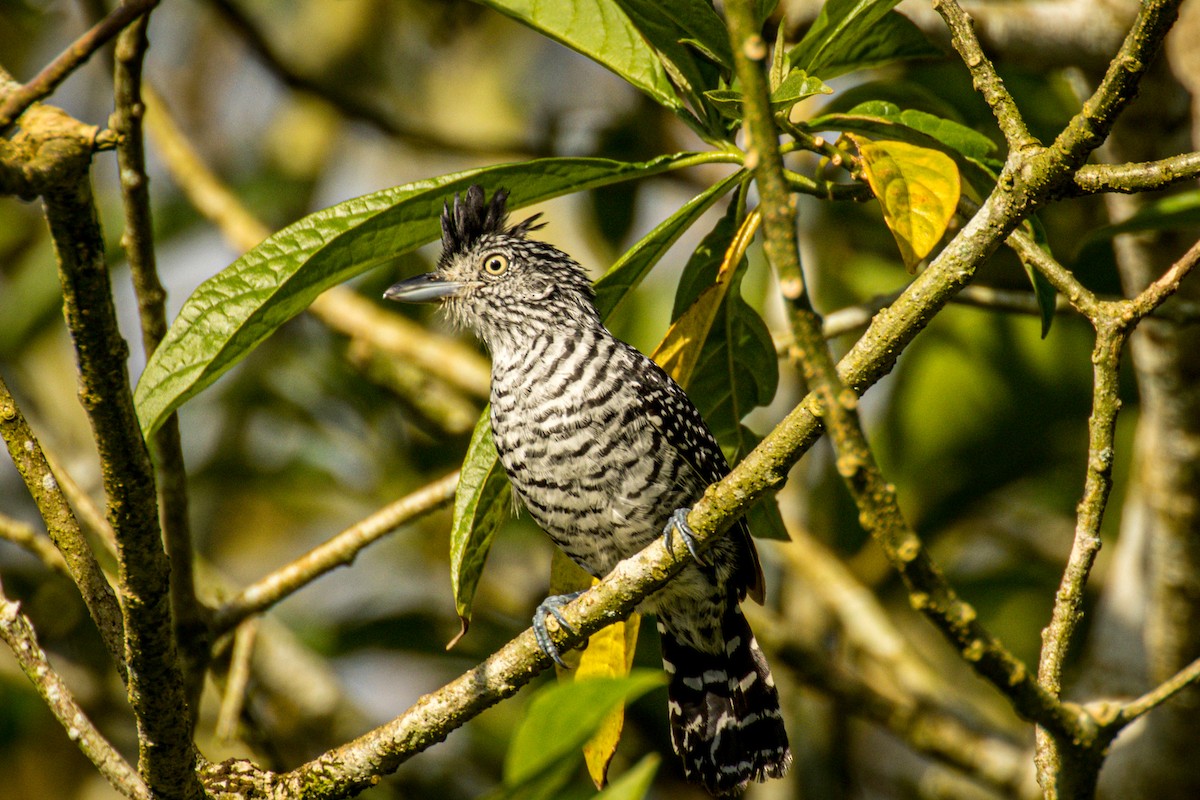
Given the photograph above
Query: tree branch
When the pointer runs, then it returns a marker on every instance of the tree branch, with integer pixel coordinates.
(167, 756)
(18, 634)
(1137, 177)
(45, 82)
(987, 81)
(41, 547)
(878, 506)
(338, 551)
(63, 528)
(138, 240)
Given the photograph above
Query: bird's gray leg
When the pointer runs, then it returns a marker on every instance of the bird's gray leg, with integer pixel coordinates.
(551, 606)
(679, 522)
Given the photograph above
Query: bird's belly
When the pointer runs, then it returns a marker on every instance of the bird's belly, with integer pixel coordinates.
(600, 486)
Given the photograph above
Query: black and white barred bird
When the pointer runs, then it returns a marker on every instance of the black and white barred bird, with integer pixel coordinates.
(607, 453)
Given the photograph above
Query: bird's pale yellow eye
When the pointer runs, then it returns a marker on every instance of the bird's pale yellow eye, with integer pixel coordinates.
(495, 264)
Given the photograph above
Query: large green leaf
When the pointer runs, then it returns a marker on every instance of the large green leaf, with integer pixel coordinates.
(892, 37)
(883, 119)
(229, 314)
(667, 25)
(481, 499)
(837, 30)
(600, 30)
(563, 716)
(692, 43)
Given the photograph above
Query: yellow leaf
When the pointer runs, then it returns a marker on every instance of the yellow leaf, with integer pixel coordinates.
(609, 654)
(918, 189)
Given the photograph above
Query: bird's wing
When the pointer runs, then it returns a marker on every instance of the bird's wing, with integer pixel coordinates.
(672, 413)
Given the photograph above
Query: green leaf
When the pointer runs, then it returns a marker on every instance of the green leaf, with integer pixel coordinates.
(667, 25)
(893, 37)
(917, 188)
(481, 501)
(624, 276)
(763, 10)
(692, 42)
(797, 86)
(1043, 291)
(232, 312)
(794, 88)
(565, 715)
(838, 27)
(600, 30)
(634, 784)
(882, 119)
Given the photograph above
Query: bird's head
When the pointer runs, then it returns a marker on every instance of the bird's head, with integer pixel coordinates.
(496, 281)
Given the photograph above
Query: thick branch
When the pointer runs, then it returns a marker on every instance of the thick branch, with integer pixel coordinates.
(878, 506)
(155, 684)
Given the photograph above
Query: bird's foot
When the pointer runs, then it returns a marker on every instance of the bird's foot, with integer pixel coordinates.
(678, 521)
(550, 606)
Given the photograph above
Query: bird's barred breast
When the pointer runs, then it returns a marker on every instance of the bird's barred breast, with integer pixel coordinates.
(572, 434)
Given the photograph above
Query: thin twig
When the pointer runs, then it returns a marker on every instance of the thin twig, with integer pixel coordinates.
(987, 81)
(234, 697)
(1137, 176)
(27, 538)
(70, 59)
(338, 551)
(18, 634)
(1157, 293)
(1186, 677)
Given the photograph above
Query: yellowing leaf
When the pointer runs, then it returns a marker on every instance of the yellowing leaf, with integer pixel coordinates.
(609, 655)
(680, 349)
(918, 189)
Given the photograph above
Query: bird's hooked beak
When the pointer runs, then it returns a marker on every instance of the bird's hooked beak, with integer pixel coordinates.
(422, 289)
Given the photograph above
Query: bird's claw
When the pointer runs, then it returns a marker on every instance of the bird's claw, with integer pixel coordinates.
(550, 606)
(678, 521)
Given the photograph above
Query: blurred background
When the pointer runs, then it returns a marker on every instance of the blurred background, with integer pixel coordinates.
(301, 104)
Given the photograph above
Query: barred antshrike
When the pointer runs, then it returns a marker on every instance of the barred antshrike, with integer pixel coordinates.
(607, 453)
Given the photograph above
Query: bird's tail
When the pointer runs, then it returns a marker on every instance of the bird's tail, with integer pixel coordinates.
(723, 706)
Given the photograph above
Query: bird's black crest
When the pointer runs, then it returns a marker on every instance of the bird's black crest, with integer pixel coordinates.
(473, 217)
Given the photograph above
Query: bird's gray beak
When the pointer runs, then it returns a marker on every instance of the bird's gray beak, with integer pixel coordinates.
(422, 289)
